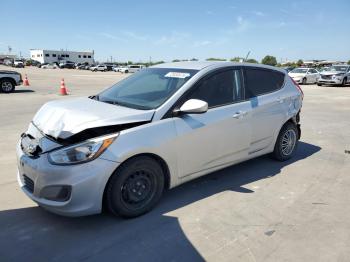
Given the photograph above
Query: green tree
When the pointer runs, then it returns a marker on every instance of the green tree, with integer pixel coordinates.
(349, 62)
(236, 59)
(215, 59)
(176, 60)
(252, 60)
(300, 62)
(269, 60)
(194, 59)
(130, 63)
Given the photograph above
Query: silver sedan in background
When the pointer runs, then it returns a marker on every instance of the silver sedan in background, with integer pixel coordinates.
(304, 75)
(155, 130)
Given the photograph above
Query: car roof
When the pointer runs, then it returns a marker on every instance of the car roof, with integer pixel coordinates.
(200, 65)
(195, 65)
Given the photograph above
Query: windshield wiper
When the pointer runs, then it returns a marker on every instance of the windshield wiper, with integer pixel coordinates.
(95, 97)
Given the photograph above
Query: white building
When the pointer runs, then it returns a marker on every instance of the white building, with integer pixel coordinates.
(50, 56)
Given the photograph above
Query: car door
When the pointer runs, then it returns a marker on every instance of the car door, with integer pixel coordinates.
(313, 74)
(219, 136)
(269, 105)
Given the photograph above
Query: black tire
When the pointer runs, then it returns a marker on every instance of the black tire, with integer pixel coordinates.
(7, 86)
(319, 84)
(280, 152)
(304, 81)
(135, 187)
(343, 83)
(126, 71)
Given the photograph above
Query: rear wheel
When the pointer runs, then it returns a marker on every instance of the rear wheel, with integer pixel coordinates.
(319, 84)
(286, 143)
(7, 86)
(304, 81)
(344, 81)
(135, 188)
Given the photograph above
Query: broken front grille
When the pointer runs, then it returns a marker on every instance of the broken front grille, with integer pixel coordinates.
(28, 183)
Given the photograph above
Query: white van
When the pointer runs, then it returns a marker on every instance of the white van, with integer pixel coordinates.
(131, 68)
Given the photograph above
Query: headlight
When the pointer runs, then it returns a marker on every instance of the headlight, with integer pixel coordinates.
(82, 152)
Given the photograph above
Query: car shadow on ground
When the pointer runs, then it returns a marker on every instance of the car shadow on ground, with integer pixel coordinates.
(23, 91)
(34, 234)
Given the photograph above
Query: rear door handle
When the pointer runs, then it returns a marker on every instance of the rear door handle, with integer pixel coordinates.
(240, 114)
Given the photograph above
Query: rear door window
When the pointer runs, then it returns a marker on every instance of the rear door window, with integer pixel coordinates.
(262, 81)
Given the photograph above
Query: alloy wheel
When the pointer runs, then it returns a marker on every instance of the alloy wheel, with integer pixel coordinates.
(288, 142)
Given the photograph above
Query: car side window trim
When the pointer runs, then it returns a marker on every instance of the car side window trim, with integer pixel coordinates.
(263, 69)
(182, 99)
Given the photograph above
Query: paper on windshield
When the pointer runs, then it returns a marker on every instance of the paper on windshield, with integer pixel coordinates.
(177, 75)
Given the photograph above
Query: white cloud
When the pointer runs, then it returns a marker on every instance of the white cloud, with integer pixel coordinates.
(202, 43)
(113, 37)
(258, 13)
(173, 39)
(135, 36)
(242, 24)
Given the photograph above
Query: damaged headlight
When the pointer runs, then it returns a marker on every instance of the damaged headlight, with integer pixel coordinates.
(83, 152)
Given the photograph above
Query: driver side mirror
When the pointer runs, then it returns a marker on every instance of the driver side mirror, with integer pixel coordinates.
(192, 106)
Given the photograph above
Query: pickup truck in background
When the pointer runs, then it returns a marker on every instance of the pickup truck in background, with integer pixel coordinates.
(9, 80)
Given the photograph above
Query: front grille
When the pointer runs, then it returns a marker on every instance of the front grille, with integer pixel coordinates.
(326, 77)
(28, 184)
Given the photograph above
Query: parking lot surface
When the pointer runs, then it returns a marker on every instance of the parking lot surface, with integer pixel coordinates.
(260, 210)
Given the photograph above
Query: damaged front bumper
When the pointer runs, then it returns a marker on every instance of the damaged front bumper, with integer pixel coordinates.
(73, 190)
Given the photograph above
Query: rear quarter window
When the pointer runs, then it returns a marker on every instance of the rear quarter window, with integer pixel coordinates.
(262, 81)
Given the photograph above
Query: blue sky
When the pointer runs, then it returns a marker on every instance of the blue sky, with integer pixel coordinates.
(165, 30)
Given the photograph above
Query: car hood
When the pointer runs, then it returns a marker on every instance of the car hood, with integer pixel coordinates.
(329, 73)
(65, 118)
(296, 74)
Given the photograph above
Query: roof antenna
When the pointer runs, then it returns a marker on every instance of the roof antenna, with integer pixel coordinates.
(245, 60)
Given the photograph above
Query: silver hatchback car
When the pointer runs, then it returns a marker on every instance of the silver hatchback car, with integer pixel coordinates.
(155, 130)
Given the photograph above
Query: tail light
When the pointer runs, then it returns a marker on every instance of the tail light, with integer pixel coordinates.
(298, 87)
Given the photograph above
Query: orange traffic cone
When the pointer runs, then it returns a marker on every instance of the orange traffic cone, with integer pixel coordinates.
(26, 81)
(63, 90)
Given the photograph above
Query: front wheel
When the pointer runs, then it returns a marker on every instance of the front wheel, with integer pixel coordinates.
(135, 188)
(304, 81)
(286, 143)
(7, 86)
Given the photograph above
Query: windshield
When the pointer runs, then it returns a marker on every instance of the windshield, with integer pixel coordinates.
(147, 89)
(338, 68)
(299, 70)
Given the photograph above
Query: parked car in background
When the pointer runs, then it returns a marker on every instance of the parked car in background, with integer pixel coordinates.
(117, 68)
(109, 67)
(18, 64)
(67, 64)
(159, 128)
(8, 62)
(31, 62)
(304, 75)
(101, 68)
(288, 68)
(81, 66)
(131, 68)
(50, 66)
(9, 80)
(336, 75)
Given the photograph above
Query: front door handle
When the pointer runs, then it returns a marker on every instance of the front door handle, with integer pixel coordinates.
(240, 114)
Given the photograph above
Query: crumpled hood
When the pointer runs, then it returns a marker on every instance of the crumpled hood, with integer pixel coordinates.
(64, 118)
